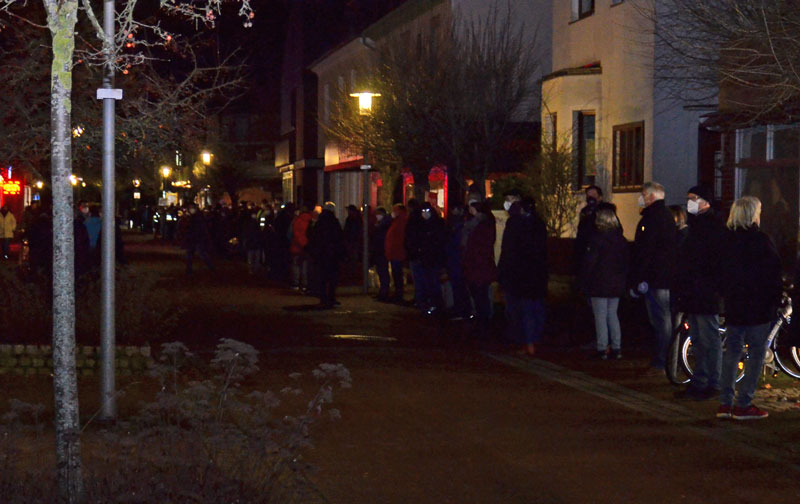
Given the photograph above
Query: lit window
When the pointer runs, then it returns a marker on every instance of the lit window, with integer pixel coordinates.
(628, 156)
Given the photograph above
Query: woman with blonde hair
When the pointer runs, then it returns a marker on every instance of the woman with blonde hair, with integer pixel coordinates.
(751, 288)
(604, 270)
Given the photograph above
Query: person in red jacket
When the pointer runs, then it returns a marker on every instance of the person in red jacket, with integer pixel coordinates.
(299, 235)
(477, 261)
(395, 249)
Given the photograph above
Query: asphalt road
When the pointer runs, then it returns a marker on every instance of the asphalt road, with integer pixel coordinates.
(435, 418)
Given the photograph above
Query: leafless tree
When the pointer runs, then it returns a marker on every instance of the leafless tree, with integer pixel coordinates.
(748, 51)
(455, 97)
(76, 32)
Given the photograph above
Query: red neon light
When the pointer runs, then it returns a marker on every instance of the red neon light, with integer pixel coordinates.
(12, 187)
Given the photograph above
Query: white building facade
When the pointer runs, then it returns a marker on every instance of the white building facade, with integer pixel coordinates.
(603, 102)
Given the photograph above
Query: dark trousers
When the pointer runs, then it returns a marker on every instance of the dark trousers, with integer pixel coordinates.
(483, 304)
(328, 279)
(6, 246)
(203, 255)
(461, 292)
(397, 276)
(382, 268)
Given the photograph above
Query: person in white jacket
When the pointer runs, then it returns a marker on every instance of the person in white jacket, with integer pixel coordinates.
(7, 226)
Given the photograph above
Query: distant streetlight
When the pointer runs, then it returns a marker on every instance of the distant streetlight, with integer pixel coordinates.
(39, 184)
(165, 171)
(73, 180)
(137, 182)
(206, 157)
(365, 108)
(77, 131)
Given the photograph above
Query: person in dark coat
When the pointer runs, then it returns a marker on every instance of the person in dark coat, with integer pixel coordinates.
(751, 285)
(478, 263)
(413, 244)
(353, 233)
(378, 251)
(280, 259)
(603, 274)
(698, 292)
(594, 196)
(253, 238)
(327, 248)
(431, 255)
(456, 228)
(653, 267)
(522, 273)
(395, 249)
(196, 239)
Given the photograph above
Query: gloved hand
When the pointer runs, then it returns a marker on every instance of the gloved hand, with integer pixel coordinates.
(632, 293)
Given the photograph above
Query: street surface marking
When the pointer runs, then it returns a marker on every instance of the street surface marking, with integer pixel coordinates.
(752, 440)
(361, 337)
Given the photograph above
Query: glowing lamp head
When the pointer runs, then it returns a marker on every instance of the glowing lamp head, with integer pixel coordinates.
(137, 182)
(73, 180)
(165, 171)
(39, 184)
(206, 157)
(364, 101)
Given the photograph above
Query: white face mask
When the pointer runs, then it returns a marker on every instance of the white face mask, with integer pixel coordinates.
(641, 201)
(507, 205)
(693, 207)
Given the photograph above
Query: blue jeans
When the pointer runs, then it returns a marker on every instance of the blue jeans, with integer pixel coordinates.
(756, 338)
(525, 318)
(658, 311)
(707, 349)
(417, 275)
(605, 322)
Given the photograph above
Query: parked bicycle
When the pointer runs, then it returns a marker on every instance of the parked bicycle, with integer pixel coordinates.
(781, 354)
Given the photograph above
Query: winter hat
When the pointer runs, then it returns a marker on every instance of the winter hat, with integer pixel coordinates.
(702, 192)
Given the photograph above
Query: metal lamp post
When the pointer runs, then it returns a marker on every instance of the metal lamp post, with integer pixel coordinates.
(365, 108)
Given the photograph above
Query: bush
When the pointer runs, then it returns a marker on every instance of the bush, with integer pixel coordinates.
(550, 180)
(199, 441)
(142, 309)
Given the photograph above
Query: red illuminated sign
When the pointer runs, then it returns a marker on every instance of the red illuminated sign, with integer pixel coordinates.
(12, 187)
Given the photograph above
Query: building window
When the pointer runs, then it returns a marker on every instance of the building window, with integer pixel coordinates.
(551, 130)
(326, 103)
(628, 156)
(582, 9)
(583, 143)
(341, 84)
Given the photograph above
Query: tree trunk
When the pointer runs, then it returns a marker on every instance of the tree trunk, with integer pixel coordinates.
(61, 20)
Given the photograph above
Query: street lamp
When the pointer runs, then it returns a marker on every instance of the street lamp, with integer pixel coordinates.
(137, 182)
(165, 171)
(364, 101)
(206, 156)
(365, 108)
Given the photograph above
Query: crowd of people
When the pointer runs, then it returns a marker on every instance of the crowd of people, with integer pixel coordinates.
(680, 261)
(697, 264)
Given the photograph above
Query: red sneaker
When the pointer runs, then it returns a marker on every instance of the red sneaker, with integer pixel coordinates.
(749, 413)
(724, 411)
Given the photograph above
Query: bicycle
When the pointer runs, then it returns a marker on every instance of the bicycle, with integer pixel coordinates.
(680, 358)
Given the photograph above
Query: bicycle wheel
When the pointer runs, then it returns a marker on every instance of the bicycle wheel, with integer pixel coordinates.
(688, 359)
(676, 371)
(786, 355)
